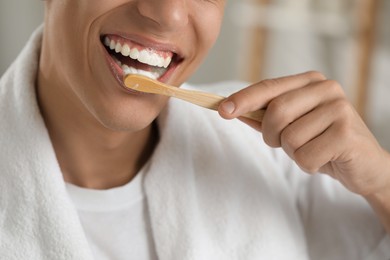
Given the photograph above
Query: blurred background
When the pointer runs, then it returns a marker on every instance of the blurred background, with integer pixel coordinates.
(347, 40)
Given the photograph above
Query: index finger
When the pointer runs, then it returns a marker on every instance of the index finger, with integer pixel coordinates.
(258, 95)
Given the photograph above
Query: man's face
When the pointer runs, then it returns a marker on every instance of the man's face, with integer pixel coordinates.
(90, 42)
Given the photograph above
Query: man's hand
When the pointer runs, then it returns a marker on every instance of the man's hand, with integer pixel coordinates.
(311, 119)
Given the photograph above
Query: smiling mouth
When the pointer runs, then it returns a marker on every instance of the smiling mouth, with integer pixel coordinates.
(133, 58)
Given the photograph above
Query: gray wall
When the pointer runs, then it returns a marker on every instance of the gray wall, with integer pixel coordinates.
(18, 18)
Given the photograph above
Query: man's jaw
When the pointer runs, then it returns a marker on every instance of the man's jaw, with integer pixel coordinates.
(128, 57)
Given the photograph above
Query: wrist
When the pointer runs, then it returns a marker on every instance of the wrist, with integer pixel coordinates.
(380, 199)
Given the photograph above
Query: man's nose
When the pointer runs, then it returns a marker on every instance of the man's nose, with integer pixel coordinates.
(171, 15)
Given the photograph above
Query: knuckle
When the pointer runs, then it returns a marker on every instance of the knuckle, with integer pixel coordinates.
(315, 75)
(303, 161)
(277, 108)
(344, 131)
(271, 140)
(278, 113)
(289, 139)
(334, 87)
(270, 83)
(343, 108)
(308, 169)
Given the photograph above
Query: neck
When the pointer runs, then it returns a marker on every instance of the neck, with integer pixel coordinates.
(89, 154)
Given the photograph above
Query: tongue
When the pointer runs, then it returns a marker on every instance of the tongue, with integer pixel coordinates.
(134, 63)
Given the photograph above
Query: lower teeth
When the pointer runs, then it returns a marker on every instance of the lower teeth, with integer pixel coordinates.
(150, 74)
(154, 74)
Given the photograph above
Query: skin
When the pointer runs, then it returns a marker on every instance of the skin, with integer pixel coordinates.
(103, 135)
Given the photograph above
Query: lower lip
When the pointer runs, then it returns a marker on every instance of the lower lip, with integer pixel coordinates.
(117, 72)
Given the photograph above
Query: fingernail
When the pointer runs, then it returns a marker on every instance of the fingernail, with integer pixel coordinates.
(228, 107)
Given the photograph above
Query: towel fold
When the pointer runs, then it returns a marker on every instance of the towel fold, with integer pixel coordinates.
(37, 219)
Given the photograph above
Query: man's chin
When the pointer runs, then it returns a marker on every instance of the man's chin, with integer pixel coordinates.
(126, 121)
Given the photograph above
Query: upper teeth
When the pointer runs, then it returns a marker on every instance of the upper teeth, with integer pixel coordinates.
(144, 56)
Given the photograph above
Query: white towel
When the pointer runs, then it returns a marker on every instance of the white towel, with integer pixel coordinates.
(214, 190)
(37, 219)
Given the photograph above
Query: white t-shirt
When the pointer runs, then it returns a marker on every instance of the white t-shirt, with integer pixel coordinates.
(115, 221)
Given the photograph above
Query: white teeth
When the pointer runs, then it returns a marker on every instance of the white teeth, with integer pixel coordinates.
(144, 56)
(154, 74)
(157, 61)
(167, 61)
(112, 45)
(106, 41)
(125, 50)
(134, 54)
(126, 70)
(118, 47)
(147, 74)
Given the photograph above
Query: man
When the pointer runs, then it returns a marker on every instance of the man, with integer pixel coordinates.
(91, 169)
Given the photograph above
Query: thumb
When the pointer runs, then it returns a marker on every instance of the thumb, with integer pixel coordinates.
(227, 109)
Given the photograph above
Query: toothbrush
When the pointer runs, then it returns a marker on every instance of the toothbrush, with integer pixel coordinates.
(203, 99)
